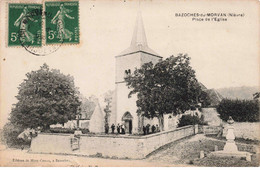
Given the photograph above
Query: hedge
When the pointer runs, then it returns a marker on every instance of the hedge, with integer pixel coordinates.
(240, 110)
(65, 130)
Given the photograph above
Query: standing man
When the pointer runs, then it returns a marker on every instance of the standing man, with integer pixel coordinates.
(113, 128)
(153, 129)
(118, 128)
(147, 128)
(144, 130)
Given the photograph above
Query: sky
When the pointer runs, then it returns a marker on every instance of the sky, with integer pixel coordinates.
(223, 54)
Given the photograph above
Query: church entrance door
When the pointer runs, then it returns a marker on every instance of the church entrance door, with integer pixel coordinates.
(128, 126)
(128, 121)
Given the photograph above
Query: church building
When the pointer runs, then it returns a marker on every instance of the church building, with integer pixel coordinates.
(126, 62)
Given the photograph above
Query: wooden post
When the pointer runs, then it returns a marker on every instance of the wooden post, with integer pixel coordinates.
(216, 147)
(248, 157)
(202, 154)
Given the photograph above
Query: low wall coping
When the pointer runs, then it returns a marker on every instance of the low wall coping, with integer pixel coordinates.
(121, 136)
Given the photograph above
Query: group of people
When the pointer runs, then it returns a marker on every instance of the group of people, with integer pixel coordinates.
(148, 129)
(119, 128)
(154, 129)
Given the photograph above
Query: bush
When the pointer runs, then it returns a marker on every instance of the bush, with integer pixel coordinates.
(240, 110)
(84, 131)
(63, 130)
(10, 134)
(186, 120)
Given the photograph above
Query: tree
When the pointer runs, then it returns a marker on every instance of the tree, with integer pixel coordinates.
(108, 101)
(170, 86)
(45, 97)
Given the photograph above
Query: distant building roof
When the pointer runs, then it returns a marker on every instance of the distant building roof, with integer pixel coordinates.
(87, 108)
(87, 115)
(202, 86)
(215, 97)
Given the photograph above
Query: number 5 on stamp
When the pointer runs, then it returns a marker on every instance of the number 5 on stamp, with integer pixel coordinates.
(62, 23)
(25, 25)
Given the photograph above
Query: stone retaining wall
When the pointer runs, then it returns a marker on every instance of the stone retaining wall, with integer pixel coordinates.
(113, 146)
(246, 130)
(211, 130)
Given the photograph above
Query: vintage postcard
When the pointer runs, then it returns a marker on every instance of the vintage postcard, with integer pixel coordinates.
(129, 83)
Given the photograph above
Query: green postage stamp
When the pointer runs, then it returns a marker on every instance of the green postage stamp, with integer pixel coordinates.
(62, 23)
(25, 24)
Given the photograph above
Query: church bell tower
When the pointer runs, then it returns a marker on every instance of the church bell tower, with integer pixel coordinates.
(127, 61)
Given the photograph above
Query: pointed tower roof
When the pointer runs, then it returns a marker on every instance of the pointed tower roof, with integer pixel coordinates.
(139, 41)
(139, 37)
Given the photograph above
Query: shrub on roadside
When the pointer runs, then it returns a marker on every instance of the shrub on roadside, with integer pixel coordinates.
(186, 120)
(10, 134)
(61, 130)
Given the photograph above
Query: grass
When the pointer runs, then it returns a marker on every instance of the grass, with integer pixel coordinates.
(227, 162)
(240, 140)
(186, 152)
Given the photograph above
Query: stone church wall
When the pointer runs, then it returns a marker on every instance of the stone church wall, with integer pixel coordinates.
(126, 62)
(146, 58)
(125, 104)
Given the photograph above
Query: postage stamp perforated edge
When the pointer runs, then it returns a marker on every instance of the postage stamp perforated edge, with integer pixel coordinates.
(7, 2)
(78, 20)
